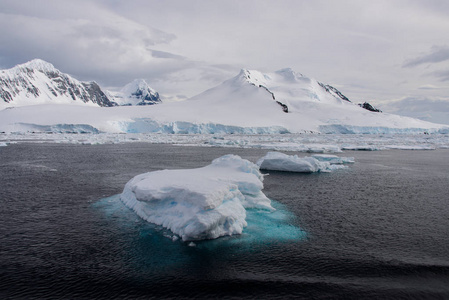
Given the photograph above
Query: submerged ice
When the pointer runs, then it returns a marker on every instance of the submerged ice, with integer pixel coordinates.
(276, 161)
(197, 204)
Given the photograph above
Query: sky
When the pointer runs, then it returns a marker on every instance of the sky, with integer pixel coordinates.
(393, 54)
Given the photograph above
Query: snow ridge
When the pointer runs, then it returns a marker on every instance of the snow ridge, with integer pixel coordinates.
(285, 83)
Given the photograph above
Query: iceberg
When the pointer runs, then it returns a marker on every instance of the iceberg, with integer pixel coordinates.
(202, 203)
(276, 161)
(334, 159)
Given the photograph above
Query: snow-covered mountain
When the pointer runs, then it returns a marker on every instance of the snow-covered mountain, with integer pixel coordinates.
(286, 87)
(39, 82)
(137, 92)
(251, 102)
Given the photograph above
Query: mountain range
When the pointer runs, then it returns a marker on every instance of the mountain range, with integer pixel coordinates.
(39, 82)
(251, 102)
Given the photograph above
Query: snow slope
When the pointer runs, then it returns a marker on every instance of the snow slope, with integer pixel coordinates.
(251, 102)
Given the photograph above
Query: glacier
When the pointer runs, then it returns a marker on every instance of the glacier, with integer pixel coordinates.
(276, 161)
(57, 128)
(202, 203)
(353, 129)
(145, 125)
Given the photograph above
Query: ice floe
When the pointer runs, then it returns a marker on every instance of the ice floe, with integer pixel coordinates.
(276, 161)
(310, 143)
(197, 204)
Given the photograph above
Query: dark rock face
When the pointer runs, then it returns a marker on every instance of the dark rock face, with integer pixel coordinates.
(369, 107)
(96, 95)
(336, 93)
(39, 79)
(147, 97)
(137, 92)
(284, 106)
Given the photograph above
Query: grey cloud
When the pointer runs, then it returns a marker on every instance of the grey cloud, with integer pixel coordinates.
(201, 43)
(427, 87)
(437, 54)
(424, 108)
(108, 48)
(163, 54)
(443, 75)
(225, 67)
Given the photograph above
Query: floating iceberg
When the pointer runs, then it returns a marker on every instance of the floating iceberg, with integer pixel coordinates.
(276, 161)
(334, 159)
(197, 204)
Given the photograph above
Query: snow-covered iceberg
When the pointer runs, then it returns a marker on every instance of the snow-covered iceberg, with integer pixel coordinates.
(197, 204)
(276, 161)
(333, 159)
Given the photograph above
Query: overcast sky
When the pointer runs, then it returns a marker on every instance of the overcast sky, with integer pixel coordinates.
(385, 52)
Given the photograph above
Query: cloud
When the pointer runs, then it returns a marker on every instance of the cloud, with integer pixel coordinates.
(177, 45)
(163, 54)
(437, 54)
(92, 41)
(443, 75)
(194, 80)
(432, 87)
(87, 41)
(425, 108)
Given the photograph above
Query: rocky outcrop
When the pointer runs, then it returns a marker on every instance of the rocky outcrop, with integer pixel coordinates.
(369, 107)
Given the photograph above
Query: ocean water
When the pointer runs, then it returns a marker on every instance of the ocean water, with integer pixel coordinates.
(379, 229)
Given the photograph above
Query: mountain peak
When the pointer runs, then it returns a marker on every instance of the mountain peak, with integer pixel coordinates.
(38, 64)
(253, 77)
(39, 82)
(289, 74)
(136, 85)
(258, 78)
(137, 92)
(289, 89)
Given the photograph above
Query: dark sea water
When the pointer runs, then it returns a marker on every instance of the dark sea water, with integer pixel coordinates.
(379, 229)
